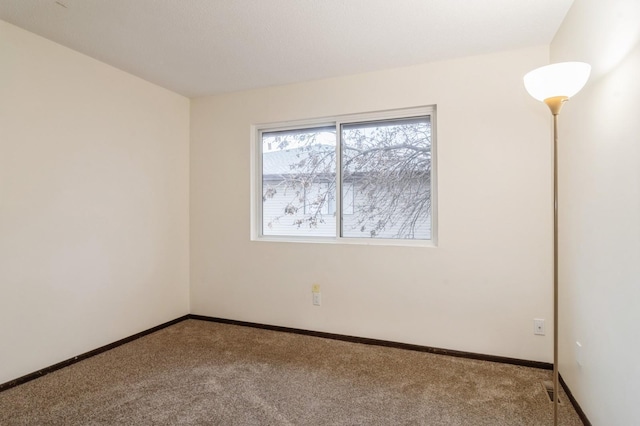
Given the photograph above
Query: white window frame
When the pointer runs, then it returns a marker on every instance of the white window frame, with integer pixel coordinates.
(337, 121)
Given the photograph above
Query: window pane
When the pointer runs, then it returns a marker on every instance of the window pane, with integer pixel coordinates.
(299, 182)
(388, 164)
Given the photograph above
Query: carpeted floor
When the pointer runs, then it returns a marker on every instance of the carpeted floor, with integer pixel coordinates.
(204, 373)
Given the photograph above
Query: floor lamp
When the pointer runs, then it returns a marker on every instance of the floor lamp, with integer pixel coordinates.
(554, 85)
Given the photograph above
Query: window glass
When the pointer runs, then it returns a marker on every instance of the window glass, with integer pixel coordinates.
(388, 164)
(298, 182)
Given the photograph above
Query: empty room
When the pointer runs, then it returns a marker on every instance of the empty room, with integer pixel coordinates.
(319, 212)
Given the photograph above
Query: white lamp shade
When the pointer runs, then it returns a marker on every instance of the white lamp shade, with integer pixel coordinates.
(561, 79)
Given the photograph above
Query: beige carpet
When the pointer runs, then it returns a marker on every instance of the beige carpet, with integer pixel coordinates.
(203, 373)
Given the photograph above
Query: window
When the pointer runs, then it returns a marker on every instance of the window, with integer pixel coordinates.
(351, 178)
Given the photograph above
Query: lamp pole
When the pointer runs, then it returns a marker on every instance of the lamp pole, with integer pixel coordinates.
(555, 266)
(555, 105)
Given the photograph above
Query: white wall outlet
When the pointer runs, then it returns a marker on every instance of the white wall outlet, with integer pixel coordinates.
(538, 326)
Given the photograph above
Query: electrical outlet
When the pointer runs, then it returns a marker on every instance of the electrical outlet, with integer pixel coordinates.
(315, 288)
(538, 326)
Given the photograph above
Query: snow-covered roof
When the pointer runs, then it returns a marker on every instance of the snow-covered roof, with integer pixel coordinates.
(280, 162)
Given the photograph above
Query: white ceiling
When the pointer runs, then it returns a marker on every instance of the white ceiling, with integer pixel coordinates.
(204, 47)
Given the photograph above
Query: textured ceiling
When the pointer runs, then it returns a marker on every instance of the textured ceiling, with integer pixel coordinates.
(203, 47)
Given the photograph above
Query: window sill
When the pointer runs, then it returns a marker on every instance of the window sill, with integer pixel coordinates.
(349, 241)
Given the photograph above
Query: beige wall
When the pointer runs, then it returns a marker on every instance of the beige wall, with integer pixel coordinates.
(600, 211)
(93, 204)
(478, 291)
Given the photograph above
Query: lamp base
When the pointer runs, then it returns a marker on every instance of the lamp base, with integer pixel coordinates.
(555, 103)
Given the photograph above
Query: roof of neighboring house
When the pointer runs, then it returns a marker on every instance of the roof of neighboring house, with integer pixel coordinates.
(279, 162)
(277, 165)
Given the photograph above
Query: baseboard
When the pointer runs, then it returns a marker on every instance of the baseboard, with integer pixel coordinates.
(70, 361)
(575, 404)
(377, 342)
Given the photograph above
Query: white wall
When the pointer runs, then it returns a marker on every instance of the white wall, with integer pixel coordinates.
(94, 174)
(478, 291)
(600, 211)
